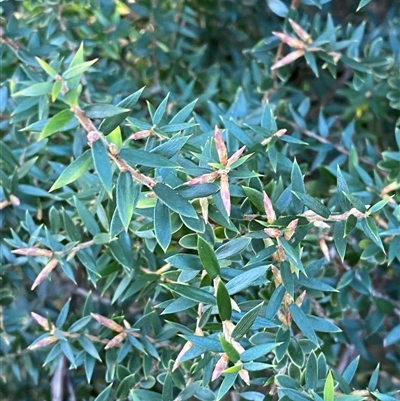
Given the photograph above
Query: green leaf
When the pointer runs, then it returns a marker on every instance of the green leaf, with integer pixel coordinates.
(311, 372)
(370, 229)
(351, 224)
(127, 193)
(174, 201)
(329, 390)
(294, 395)
(88, 346)
(229, 349)
(245, 279)
(339, 238)
(208, 258)
(393, 336)
(75, 170)
(293, 256)
(194, 293)
(226, 384)
(355, 202)
(373, 381)
(341, 188)
(39, 89)
(56, 123)
(246, 322)
(350, 371)
(78, 69)
(162, 225)
(127, 383)
(110, 123)
(258, 351)
(102, 165)
(62, 317)
(159, 113)
(287, 277)
(303, 322)
(223, 302)
(379, 205)
(362, 4)
(87, 218)
(103, 110)
(46, 67)
(313, 204)
(232, 247)
(143, 158)
(255, 197)
(183, 114)
(297, 187)
(105, 394)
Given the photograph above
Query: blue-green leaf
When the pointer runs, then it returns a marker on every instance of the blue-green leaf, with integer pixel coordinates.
(162, 224)
(127, 193)
(102, 165)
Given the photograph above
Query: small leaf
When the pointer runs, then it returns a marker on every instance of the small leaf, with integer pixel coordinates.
(88, 346)
(339, 239)
(311, 372)
(196, 294)
(127, 193)
(373, 381)
(351, 224)
(102, 165)
(379, 205)
(77, 69)
(245, 279)
(303, 323)
(313, 204)
(148, 159)
(257, 351)
(208, 258)
(39, 89)
(362, 4)
(226, 384)
(232, 247)
(255, 197)
(56, 123)
(105, 394)
(329, 390)
(246, 322)
(159, 113)
(297, 187)
(174, 201)
(341, 188)
(46, 67)
(223, 302)
(162, 225)
(229, 349)
(350, 371)
(62, 317)
(103, 110)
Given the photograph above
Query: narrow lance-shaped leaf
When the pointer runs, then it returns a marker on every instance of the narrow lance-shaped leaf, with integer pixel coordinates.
(78, 69)
(208, 258)
(297, 186)
(245, 323)
(313, 204)
(127, 197)
(102, 165)
(56, 123)
(329, 389)
(223, 302)
(46, 67)
(174, 201)
(159, 113)
(162, 224)
(303, 323)
(45, 272)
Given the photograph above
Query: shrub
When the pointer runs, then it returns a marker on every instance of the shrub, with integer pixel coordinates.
(200, 200)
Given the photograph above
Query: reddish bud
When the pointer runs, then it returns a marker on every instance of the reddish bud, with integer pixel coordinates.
(301, 33)
(290, 40)
(209, 177)
(225, 194)
(14, 200)
(107, 322)
(236, 156)
(185, 349)
(116, 340)
(92, 136)
(44, 342)
(244, 374)
(288, 59)
(269, 210)
(141, 134)
(291, 228)
(45, 272)
(33, 252)
(273, 232)
(220, 367)
(42, 321)
(220, 146)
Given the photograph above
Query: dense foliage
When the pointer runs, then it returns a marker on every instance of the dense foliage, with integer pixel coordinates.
(200, 200)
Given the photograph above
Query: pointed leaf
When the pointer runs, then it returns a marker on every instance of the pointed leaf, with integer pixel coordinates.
(103, 110)
(313, 204)
(245, 279)
(159, 113)
(194, 293)
(329, 390)
(208, 258)
(174, 201)
(297, 187)
(127, 197)
(223, 302)
(162, 225)
(102, 165)
(246, 322)
(303, 323)
(78, 69)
